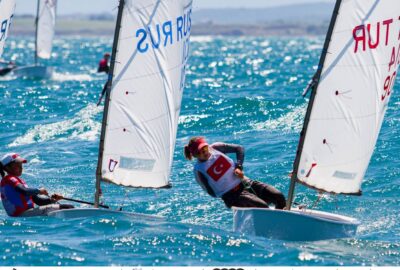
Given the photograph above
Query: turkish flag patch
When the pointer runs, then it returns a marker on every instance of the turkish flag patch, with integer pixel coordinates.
(219, 168)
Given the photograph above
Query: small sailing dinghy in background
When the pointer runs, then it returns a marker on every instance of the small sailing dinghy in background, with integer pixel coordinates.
(45, 26)
(143, 98)
(7, 8)
(349, 98)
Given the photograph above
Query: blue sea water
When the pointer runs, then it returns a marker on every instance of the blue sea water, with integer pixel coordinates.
(239, 90)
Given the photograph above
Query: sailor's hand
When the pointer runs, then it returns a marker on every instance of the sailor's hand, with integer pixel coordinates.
(56, 197)
(43, 191)
(239, 173)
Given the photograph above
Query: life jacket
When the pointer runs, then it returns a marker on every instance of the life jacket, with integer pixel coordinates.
(219, 171)
(103, 63)
(13, 201)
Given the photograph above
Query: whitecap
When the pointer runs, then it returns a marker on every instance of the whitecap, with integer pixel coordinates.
(307, 256)
(71, 77)
(184, 119)
(201, 39)
(82, 126)
(291, 121)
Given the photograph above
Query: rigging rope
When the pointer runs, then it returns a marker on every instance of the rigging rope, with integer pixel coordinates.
(320, 194)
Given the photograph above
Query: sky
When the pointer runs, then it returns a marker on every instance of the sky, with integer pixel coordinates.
(101, 6)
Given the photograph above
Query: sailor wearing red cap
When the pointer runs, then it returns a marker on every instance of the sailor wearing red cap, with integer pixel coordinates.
(17, 198)
(221, 177)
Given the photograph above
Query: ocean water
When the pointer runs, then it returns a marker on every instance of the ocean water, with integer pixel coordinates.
(239, 90)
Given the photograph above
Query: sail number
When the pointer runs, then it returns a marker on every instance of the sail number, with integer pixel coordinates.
(388, 85)
(371, 37)
(5, 25)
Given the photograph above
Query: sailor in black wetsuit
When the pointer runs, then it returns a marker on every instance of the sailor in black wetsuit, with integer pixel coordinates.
(220, 177)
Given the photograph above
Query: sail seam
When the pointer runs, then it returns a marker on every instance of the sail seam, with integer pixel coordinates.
(366, 66)
(149, 74)
(345, 118)
(361, 157)
(145, 121)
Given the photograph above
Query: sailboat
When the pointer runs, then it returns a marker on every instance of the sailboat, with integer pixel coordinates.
(143, 98)
(45, 25)
(350, 94)
(7, 8)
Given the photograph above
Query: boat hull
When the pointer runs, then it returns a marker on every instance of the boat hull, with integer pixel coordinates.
(96, 212)
(33, 72)
(294, 225)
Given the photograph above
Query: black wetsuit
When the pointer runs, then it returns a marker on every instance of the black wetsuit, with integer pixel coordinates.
(249, 193)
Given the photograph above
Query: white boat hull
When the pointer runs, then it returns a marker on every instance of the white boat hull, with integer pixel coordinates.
(33, 72)
(95, 212)
(294, 225)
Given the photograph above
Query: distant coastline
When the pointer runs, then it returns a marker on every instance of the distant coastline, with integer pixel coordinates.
(293, 20)
(85, 27)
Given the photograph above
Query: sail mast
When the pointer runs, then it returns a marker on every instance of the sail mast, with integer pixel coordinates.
(36, 30)
(107, 101)
(310, 104)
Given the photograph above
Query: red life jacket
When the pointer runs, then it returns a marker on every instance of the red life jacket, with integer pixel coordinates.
(13, 201)
(103, 63)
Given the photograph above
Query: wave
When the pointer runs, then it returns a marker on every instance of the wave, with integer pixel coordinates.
(71, 77)
(185, 119)
(291, 121)
(201, 39)
(82, 126)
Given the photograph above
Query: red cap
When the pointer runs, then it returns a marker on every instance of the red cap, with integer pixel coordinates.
(12, 157)
(196, 146)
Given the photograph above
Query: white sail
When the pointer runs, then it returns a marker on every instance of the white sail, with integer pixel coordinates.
(352, 96)
(6, 13)
(146, 92)
(45, 28)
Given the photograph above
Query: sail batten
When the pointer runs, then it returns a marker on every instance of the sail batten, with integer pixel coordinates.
(146, 92)
(352, 95)
(46, 20)
(7, 8)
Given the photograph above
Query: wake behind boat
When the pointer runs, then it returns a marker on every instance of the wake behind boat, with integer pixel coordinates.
(350, 94)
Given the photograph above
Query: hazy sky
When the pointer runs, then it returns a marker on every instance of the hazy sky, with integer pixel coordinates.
(99, 6)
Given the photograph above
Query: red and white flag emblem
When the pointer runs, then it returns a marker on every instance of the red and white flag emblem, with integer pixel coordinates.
(219, 168)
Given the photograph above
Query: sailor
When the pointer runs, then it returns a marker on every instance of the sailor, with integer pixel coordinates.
(103, 67)
(8, 66)
(220, 177)
(103, 64)
(18, 199)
